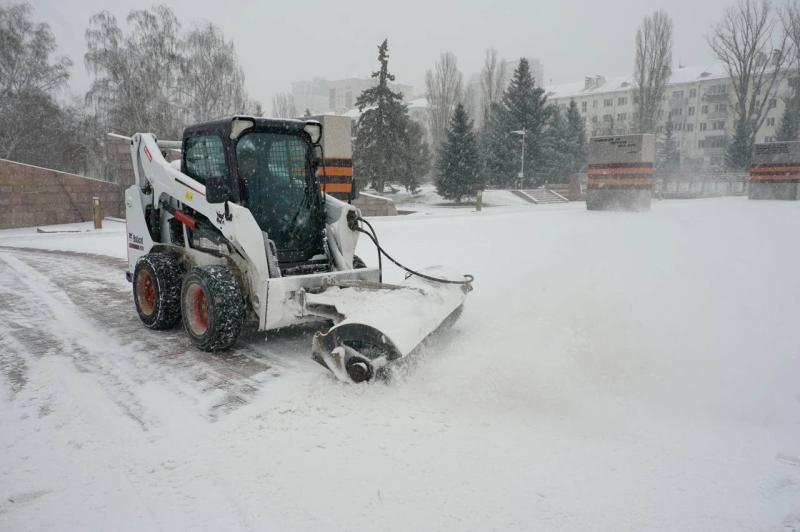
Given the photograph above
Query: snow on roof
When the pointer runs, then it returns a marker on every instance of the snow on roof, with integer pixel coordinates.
(601, 85)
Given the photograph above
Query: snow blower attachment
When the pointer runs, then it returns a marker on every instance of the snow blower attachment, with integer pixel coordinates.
(239, 229)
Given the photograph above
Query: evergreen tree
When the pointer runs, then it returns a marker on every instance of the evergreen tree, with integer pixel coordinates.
(668, 158)
(787, 129)
(522, 107)
(457, 170)
(416, 156)
(557, 149)
(576, 132)
(387, 146)
(739, 152)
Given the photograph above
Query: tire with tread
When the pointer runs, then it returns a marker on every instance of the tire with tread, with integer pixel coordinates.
(212, 307)
(157, 290)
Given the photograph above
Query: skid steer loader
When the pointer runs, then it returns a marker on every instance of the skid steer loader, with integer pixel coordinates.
(239, 229)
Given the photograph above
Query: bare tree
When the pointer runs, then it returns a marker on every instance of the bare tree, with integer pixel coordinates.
(29, 77)
(444, 86)
(137, 74)
(283, 106)
(755, 51)
(791, 26)
(653, 67)
(206, 96)
(494, 79)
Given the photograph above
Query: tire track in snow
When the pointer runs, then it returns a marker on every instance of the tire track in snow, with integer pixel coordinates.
(94, 287)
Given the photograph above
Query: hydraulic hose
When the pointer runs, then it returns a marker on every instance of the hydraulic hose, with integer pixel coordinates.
(372, 235)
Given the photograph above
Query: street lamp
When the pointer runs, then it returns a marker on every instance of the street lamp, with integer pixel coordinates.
(521, 176)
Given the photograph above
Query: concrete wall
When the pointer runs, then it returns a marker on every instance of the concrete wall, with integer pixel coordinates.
(371, 205)
(31, 196)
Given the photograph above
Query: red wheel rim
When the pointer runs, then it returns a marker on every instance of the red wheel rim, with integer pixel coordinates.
(197, 309)
(146, 292)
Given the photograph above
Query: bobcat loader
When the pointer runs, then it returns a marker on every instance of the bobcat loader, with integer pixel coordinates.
(238, 229)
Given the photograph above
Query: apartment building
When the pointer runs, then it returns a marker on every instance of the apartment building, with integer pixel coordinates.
(697, 100)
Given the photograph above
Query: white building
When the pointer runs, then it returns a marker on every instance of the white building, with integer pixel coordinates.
(697, 100)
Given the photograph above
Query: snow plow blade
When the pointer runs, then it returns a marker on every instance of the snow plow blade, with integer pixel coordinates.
(377, 323)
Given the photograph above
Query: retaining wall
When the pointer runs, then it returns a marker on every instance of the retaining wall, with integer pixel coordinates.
(30, 195)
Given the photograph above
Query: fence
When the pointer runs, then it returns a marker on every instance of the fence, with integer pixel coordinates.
(701, 186)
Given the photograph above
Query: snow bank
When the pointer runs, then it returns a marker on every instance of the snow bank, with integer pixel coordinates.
(77, 237)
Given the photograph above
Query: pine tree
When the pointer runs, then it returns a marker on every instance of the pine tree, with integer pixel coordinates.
(739, 152)
(557, 150)
(576, 132)
(788, 128)
(668, 157)
(416, 156)
(522, 107)
(387, 147)
(457, 170)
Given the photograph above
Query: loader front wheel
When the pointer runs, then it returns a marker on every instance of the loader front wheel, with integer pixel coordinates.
(212, 307)
(157, 290)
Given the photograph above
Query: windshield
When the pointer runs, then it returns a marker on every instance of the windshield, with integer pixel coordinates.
(280, 191)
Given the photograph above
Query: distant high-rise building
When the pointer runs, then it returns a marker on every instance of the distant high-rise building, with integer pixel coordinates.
(537, 69)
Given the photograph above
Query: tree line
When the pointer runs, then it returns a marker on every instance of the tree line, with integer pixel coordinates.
(149, 74)
(758, 44)
(390, 147)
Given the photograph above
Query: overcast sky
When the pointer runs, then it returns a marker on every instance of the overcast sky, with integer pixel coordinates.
(288, 40)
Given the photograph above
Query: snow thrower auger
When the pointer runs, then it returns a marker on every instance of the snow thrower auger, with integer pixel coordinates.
(239, 229)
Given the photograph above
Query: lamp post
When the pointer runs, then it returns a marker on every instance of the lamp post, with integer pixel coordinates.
(521, 176)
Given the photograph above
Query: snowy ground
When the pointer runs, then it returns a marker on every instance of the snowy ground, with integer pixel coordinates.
(611, 371)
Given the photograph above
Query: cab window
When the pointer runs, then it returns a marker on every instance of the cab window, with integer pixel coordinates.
(205, 157)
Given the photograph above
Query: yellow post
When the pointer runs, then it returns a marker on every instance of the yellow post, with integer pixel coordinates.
(98, 215)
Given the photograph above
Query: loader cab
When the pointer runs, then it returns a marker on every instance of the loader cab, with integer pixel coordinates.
(268, 166)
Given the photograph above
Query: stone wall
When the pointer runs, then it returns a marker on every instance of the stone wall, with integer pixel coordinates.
(31, 196)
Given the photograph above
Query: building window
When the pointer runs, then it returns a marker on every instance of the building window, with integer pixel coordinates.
(594, 119)
(772, 103)
(704, 109)
(636, 100)
(769, 139)
(584, 105)
(661, 113)
(692, 93)
(677, 94)
(720, 107)
(622, 101)
(689, 127)
(771, 122)
(702, 126)
(678, 127)
(621, 117)
(691, 111)
(594, 104)
(717, 125)
(608, 118)
(676, 112)
(608, 102)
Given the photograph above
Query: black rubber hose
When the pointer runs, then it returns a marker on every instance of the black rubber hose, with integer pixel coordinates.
(467, 277)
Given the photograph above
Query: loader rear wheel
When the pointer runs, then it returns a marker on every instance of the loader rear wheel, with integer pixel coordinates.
(157, 290)
(212, 307)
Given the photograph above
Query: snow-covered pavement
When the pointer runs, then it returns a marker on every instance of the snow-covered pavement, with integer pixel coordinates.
(611, 371)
